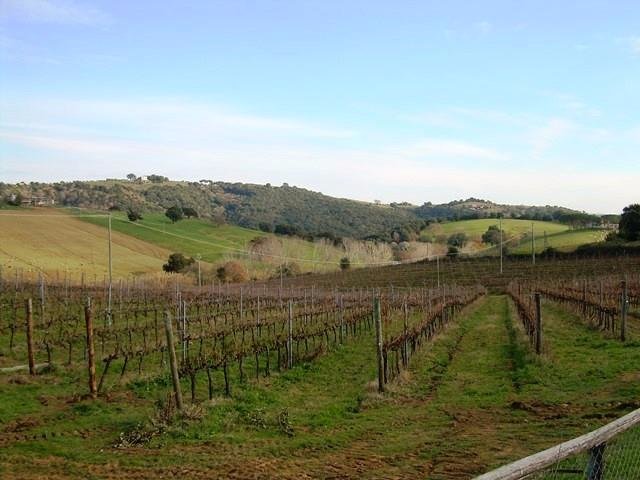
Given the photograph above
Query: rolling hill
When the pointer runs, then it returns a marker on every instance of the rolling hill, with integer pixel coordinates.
(267, 207)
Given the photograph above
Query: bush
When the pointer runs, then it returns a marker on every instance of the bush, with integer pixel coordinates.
(492, 235)
(345, 263)
(232, 272)
(133, 215)
(177, 263)
(457, 240)
(174, 213)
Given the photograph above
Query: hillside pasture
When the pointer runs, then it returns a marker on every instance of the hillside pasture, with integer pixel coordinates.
(217, 244)
(55, 242)
(565, 241)
(475, 228)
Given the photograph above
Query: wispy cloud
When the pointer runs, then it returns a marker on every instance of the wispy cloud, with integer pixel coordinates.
(438, 149)
(52, 11)
(165, 118)
(545, 136)
(483, 27)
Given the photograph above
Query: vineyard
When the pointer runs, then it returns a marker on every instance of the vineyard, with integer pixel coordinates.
(306, 372)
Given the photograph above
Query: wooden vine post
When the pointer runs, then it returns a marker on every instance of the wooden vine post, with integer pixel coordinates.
(538, 324)
(623, 311)
(29, 314)
(377, 318)
(91, 354)
(290, 336)
(173, 362)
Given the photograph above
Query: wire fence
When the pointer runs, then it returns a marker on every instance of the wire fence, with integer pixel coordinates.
(611, 452)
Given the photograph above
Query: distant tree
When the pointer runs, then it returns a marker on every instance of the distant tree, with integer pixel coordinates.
(174, 213)
(15, 199)
(177, 263)
(457, 240)
(345, 263)
(282, 229)
(452, 251)
(492, 235)
(133, 215)
(157, 178)
(132, 177)
(190, 212)
(629, 226)
(265, 227)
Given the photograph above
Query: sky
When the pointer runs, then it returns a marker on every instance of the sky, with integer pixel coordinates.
(525, 102)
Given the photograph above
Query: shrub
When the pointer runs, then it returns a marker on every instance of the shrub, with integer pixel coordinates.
(232, 272)
(345, 263)
(492, 235)
(177, 263)
(133, 215)
(174, 213)
(458, 240)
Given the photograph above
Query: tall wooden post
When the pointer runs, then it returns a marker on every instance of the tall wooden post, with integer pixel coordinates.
(377, 318)
(341, 319)
(623, 311)
(538, 324)
(29, 314)
(290, 336)
(405, 344)
(91, 354)
(173, 361)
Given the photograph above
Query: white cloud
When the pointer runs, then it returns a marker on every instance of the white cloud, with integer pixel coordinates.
(483, 27)
(164, 118)
(52, 11)
(544, 137)
(436, 149)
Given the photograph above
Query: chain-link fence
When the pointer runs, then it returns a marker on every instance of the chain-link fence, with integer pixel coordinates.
(610, 453)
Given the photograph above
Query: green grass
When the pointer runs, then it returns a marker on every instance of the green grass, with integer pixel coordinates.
(518, 234)
(219, 243)
(475, 228)
(564, 241)
(189, 236)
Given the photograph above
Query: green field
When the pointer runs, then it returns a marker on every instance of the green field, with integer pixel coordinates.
(517, 234)
(473, 399)
(475, 228)
(218, 243)
(189, 236)
(566, 241)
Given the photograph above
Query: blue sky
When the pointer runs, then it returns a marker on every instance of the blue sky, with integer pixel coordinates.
(516, 101)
